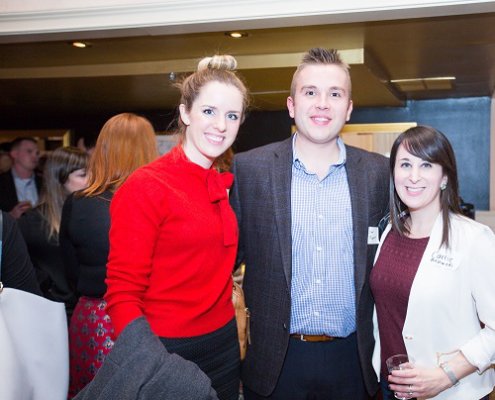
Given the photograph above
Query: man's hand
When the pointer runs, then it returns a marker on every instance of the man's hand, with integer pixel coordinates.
(20, 209)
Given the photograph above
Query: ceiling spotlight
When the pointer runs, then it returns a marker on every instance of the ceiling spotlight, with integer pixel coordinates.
(80, 45)
(171, 76)
(236, 34)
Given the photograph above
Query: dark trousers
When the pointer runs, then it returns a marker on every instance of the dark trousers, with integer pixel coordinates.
(319, 371)
(216, 354)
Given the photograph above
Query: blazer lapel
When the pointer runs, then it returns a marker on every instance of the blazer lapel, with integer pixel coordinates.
(356, 178)
(281, 175)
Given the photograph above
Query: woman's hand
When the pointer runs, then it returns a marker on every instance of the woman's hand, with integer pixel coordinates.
(428, 382)
(418, 382)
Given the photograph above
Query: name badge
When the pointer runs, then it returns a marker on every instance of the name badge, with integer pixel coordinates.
(444, 260)
(373, 235)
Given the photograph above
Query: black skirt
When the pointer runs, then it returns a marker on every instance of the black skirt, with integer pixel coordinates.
(216, 354)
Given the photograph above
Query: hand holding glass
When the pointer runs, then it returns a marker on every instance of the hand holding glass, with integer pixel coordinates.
(398, 362)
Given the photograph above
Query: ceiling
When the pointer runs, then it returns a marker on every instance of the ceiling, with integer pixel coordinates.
(133, 73)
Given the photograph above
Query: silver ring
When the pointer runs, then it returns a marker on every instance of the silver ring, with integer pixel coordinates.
(410, 390)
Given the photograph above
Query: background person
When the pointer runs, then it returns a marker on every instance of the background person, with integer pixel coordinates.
(174, 236)
(433, 279)
(126, 142)
(64, 173)
(306, 208)
(17, 271)
(20, 185)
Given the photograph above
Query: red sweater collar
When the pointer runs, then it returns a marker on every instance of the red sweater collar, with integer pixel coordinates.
(217, 184)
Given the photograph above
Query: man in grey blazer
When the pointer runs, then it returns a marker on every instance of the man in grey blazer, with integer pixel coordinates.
(308, 210)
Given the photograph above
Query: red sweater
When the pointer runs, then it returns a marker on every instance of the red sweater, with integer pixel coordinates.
(173, 242)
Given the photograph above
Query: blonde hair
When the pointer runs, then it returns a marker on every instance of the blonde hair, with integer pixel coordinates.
(126, 142)
(59, 165)
(218, 68)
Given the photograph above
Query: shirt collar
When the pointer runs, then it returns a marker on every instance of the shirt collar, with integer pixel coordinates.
(299, 164)
(18, 178)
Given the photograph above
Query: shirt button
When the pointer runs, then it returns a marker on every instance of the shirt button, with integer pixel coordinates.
(318, 248)
(320, 185)
(320, 216)
(318, 281)
(408, 337)
(317, 314)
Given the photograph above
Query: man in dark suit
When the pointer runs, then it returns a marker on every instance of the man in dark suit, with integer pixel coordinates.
(308, 210)
(20, 186)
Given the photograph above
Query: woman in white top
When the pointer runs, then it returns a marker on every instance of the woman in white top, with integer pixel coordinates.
(440, 266)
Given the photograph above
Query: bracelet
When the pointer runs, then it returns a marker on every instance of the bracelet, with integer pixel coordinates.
(445, 367)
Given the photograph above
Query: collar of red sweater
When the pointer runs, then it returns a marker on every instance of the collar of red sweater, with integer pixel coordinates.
(217, 184)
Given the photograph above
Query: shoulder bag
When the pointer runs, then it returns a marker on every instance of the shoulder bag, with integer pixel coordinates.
(242, 318)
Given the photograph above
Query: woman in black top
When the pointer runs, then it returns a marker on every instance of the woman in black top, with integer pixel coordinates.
(126, 142)
(64, 173)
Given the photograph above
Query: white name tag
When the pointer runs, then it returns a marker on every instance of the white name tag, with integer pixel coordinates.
(445, 260)
(373, 235)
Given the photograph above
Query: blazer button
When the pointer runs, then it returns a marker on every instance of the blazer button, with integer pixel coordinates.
(285, 326)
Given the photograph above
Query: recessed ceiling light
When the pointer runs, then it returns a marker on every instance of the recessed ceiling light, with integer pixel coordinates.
(236, 34)
(80, 45)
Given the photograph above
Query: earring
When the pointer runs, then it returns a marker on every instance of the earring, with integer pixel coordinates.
(443, 186)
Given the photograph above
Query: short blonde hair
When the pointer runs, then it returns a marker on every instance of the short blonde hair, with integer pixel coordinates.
(320, 56)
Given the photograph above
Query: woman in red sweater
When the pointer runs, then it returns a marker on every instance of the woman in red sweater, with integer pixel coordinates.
(173, 237)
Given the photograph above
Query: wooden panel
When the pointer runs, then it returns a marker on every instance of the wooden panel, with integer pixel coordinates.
(374, 137)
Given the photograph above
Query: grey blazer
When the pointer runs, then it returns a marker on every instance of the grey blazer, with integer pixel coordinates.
(260, 198)
(140, 368)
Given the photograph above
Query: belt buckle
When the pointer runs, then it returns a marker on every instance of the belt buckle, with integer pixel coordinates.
(301, 338)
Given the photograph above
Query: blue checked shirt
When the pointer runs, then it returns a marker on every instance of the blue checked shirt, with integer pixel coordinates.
(322, 289)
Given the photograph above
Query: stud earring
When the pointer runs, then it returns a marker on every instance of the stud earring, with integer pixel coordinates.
(443, 186)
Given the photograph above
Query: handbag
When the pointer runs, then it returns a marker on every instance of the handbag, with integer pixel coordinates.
(34, 362)
(242, 316)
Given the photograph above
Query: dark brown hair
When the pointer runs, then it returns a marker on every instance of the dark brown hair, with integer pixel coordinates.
(431, 145)
(59, 165)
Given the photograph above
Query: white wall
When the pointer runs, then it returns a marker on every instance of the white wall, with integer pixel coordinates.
(26, 17)
(487, 218)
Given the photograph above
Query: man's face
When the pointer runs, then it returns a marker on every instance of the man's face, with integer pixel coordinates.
(321, 104)
(26, 155)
